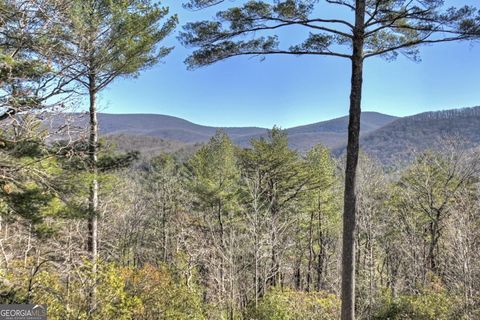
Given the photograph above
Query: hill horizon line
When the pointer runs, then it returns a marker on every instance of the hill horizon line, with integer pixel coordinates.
(199, 123)
(143, 114)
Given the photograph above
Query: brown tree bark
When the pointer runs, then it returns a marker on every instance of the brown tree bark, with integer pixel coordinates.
(93, 159)
(349, 214)
(310, 252)
(92, 241)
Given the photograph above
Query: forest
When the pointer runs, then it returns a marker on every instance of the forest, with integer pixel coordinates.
(222, 231)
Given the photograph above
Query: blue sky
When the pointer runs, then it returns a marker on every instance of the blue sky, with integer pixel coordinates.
(290, 91)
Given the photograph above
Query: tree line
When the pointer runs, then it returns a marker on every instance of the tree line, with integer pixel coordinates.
(252, 233)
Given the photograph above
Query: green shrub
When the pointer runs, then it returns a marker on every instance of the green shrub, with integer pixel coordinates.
(429, 305)
(146, 293)
(293, 305)
(162, 294)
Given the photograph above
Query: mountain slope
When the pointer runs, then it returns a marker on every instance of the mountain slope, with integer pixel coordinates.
(331, 133)
(370, 121)
(400, 139)
(165, 127)
(385, 137)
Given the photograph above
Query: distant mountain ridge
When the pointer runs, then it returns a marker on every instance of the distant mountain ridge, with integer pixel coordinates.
(404, 137)
(165, 127)
(386, 138)
(332, 133)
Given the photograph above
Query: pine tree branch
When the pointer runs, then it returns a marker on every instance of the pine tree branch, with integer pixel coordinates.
(415, 43)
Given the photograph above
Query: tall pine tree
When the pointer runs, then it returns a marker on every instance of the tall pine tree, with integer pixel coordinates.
(105, 40)
(363, 29)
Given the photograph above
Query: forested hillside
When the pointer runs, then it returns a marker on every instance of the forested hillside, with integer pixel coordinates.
(252, 232)
(388, 139)
(403, 138)
(331, 133)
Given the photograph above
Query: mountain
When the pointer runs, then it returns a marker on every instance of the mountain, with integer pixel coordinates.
(333, 133)
(160, 126)
(370, 122)
(179, 132)
(386, 138)
(402, 138)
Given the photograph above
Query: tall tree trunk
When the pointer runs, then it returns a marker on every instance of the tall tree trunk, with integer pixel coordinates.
(434, 229)
(256, 248)
(322, 250)
(231, 263)
(320, 262)
(275, 267)
(223, 248)
(310, 252)
(93, 197)
(349, 214)
(165, 233)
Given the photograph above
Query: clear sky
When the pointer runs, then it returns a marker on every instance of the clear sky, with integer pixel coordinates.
(290, 91)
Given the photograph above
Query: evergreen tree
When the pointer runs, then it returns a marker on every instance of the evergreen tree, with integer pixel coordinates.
(105, 40)
(372, 28)
(30, 77)
(281, 181)
(322, 215)
(214, 177)
(30, 83)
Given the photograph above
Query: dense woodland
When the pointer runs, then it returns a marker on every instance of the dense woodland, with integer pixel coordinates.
(400, 140)
(242, 233)
(222, 232)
